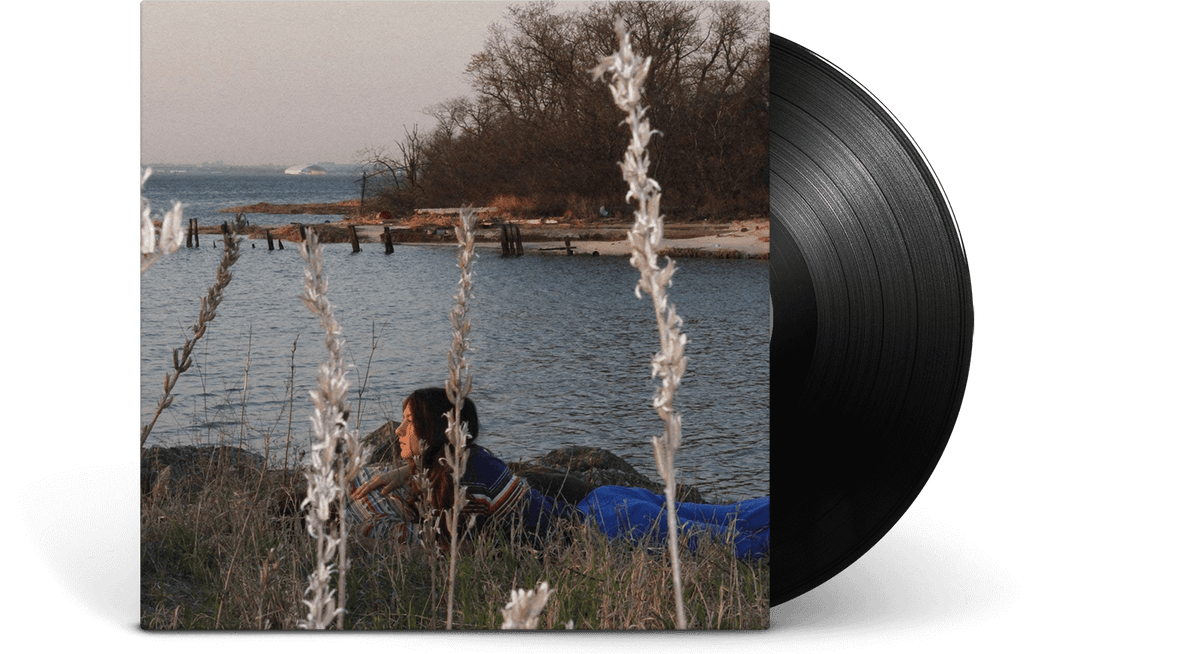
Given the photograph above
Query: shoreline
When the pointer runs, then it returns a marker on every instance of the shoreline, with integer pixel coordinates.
(734, 239)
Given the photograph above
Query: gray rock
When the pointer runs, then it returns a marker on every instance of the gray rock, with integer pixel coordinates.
(596, 466)
(191, 465)
(383, 443)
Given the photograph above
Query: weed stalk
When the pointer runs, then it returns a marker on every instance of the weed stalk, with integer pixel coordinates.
(458, 386)
(629, 73)
(336, 454)
(208, 310)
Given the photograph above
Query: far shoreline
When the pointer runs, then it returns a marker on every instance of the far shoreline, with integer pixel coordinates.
(747, 238)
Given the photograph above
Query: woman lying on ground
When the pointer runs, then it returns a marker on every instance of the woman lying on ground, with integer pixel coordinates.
(383, 496)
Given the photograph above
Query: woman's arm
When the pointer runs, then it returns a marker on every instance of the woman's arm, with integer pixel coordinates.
(497, 491)
(385, 514)
(391, 480)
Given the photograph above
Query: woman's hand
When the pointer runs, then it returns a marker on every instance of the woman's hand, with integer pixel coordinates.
(385, 483)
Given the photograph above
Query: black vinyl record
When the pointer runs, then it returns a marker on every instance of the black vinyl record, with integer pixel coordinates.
(872, 320)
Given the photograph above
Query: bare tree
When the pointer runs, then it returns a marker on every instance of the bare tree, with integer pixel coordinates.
(537, 127)
(412, 154)
(395, 179)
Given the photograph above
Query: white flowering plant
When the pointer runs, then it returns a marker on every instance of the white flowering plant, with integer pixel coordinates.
(155, 247)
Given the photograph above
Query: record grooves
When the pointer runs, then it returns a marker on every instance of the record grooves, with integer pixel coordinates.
(872, 314)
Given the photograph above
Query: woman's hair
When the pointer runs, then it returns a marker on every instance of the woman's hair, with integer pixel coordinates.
(429, 407)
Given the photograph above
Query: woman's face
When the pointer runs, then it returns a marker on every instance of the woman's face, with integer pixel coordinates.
(409, 445)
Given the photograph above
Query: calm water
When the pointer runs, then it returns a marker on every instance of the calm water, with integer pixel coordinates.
(560, 346)
(203, 194)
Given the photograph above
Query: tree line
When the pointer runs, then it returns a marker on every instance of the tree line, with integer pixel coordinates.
(540, 136)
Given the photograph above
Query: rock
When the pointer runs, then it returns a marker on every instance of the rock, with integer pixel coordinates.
(383, 443)
(596, 466)
(580, 457)
(189, 466)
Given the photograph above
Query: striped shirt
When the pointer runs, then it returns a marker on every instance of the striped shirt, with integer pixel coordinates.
(493, 492)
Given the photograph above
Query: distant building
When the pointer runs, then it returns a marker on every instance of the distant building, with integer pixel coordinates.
(310, 169)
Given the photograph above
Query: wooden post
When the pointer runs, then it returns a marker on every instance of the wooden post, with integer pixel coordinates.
(570, 251)
(353, 240)
(189, 232)
(510, 240)
(303, 233)
(387, 240)
(270, 242)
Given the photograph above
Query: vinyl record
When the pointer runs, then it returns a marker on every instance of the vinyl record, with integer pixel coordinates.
(872, 320)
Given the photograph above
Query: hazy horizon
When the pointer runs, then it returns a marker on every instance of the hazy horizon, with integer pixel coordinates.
(286, 83)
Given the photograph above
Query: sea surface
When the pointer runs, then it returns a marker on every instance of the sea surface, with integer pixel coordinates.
(560, 346)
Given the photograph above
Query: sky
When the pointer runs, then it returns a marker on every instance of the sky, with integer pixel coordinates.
(290, 83)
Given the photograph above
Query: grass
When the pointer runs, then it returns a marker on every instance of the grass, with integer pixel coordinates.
(628, 73)
(218, 553)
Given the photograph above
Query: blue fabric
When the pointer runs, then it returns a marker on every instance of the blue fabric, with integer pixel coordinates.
(637, 512)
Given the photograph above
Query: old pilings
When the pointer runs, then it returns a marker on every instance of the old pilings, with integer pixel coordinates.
(510, 240)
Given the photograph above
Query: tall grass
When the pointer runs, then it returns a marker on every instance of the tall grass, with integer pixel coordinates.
(458, 386)
(337, 453)
(172, 234)
(629, 72)
(204, 568)
(522, 610)
(182, 359)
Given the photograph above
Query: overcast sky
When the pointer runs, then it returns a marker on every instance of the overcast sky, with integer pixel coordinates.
(299, 82)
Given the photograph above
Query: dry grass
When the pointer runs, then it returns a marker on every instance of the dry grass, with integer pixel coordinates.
(709, 253)
(219, 552)
(512, 206)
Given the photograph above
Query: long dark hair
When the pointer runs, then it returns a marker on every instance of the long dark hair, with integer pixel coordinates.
(429, 407)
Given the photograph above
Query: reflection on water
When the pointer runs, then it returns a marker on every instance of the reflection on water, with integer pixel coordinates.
(560, 352)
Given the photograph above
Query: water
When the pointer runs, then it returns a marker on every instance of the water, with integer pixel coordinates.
(204, 193)
(560, 348)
